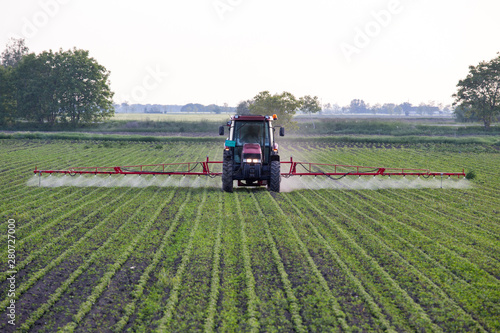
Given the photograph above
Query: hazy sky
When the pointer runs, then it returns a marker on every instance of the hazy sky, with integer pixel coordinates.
(225, 51)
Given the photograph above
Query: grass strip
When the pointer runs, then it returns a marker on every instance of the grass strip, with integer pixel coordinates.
(105, 137)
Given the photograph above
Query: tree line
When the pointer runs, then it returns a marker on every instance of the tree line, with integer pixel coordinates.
(196, 107)
(358, 106)
(67, 87)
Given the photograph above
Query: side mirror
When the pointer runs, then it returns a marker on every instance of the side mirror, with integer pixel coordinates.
(221, 130)
(282, 131)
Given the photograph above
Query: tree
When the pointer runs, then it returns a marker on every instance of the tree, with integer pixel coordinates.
(67, 86)
(463, 114)
(212, 108)
(7, 97)
(389, 108)
(358, 106)
(327, 107)
(35, 85)
(398, 110)
(15, 50)
(192, 107)
(480, 91)
(421, 109)
(284, 105)
(83, 90)
(406, 107)
(243, 107)
(310, 104)
(377, 108)
(125, 106)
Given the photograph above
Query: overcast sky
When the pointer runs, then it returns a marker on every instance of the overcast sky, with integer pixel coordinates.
(225, 51)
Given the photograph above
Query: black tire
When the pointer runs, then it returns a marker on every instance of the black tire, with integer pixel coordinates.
(227, 174)
(274, 182)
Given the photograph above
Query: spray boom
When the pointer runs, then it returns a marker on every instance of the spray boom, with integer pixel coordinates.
(205, 168)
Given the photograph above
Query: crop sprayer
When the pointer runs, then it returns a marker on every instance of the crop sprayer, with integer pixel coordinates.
(251, 158)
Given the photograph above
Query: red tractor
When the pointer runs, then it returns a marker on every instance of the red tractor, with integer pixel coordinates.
(250, 153)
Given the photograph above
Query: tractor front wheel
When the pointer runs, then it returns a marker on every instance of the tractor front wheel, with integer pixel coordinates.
(227, 174)
(274, 183)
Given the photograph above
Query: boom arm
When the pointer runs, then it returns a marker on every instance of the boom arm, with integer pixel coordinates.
(184, 168)
(294, 169)
(313, 169)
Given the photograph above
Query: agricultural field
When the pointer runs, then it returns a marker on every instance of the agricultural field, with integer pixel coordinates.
(109, 254)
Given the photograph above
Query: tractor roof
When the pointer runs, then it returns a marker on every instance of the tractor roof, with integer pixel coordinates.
(251, 117)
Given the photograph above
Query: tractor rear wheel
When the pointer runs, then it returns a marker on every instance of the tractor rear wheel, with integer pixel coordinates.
(227, 174)
(274, 183)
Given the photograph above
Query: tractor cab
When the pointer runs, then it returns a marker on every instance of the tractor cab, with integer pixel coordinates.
(249, 153)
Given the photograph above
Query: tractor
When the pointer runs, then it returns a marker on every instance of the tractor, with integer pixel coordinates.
(250, 153)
